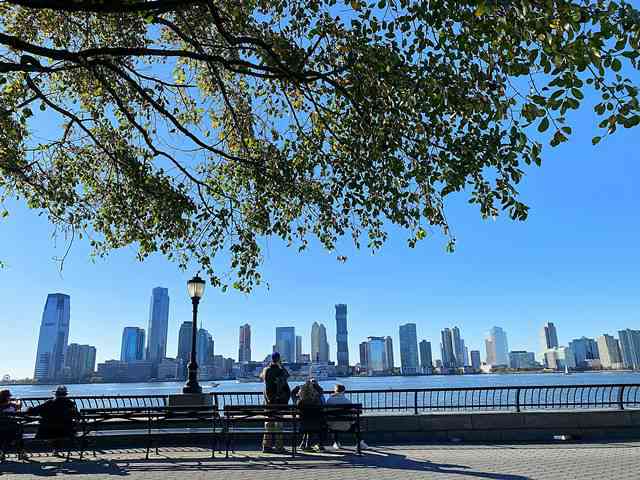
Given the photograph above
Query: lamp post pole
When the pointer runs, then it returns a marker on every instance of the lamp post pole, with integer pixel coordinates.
(196, 290)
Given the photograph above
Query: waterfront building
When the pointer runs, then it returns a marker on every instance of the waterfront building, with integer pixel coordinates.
(584, 349)
(319, 344)
(520, 359)
(447, 353)
(53, 338)
(170, 369)
(342, 343)
(458, 347)
(204, 347)
(286, 343)
(305, 358)
(497, 347)
(408, 349)
(630, 348)
(549, 336)
(132, 346)
(426, 360)
(298, 348)
(80, 361)
(363, 355)
(559, 358)
(158, 325)
(610, 355)
(389, 361)
(376, 355)
(184, 345)
(475, 359)
(244, 344)
(113, 371)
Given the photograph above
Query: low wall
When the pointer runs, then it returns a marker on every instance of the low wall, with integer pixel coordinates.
(502, 427)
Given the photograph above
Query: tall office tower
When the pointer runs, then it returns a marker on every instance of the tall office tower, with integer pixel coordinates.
(204, 347)
(426, 360)
(244, 344)
(458, 347)
(388, 354)
(80, 360)
(319, 344)
(364, 357)
(584, 349)
(342, 351)
(466, 357)
(609, 349)
(184, 343)
(158, 325)
(549, 336)
(54, 337)
(376, 354)
(630, 348)
(132, 347)
(299, 349)
(446, 349)
(475, 359)
(408, 349)
(286, 343)
(497, 347)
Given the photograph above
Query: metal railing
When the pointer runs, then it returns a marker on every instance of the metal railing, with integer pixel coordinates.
(427, 400)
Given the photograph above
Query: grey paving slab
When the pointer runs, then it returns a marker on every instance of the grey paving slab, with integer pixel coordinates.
(461, 462)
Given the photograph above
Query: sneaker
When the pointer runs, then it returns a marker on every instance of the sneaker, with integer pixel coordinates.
(267, 450)
(337, 446)
(363, 445)
(318, 448)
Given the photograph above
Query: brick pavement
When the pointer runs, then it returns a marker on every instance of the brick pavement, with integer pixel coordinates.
(620, 461)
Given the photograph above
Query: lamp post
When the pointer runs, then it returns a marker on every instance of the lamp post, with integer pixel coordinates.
(195, 286)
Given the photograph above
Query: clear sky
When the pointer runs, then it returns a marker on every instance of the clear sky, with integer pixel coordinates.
(575, 262)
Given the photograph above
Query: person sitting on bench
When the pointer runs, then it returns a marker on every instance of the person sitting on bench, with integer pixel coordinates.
(339, 398)
(58, 418)
(10, 432)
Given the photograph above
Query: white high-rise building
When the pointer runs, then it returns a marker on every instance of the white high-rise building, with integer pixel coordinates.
(319, 344)
(158, 325)
(244, 344)
(609, 348)
(497, 347)
(54, 337)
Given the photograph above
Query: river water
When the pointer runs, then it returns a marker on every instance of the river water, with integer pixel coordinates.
(352, 383)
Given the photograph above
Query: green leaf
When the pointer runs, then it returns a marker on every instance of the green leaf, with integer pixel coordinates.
(596, 140)
(544, 125)
(616, 65)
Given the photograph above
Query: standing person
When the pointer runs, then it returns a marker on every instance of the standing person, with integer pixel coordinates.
(58, 418)
(276, 392)
(339, 398)
(312, 424)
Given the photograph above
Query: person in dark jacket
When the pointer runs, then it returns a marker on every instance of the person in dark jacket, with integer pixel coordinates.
(312, 422)
(10, 431)
(58, 418)
(276, 392)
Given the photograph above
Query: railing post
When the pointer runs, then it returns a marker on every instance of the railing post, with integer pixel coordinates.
(518, 400)
(621, 398)
(415, 402)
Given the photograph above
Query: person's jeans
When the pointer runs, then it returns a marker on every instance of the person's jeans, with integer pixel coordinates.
(273, 437)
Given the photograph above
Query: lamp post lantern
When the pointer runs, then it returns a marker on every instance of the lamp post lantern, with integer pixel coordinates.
(195, 286)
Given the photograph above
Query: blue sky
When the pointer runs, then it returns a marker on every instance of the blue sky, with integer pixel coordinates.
(575, 262)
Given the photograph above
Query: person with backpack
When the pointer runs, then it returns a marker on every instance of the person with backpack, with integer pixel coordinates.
(276, 392)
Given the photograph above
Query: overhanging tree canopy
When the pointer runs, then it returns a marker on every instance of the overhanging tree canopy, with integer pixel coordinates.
(196, 127)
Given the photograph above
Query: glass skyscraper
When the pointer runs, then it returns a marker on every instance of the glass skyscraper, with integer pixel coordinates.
(132, 348)
(53, 338)
(319, 344)
(342, 352)
(204, 347)
(447, 352)
(80, 361)
(408, 349)
(244, 344)
(286, 343)
(158, 325)
(376, 355)
(426, 360)
(497, 347)
(549, 336)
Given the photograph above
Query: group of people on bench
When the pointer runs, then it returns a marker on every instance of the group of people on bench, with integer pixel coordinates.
(57, 420)
(310, 400)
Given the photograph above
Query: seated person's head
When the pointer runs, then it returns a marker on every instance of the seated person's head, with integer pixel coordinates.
(5, 397)
(339, 388)
(61, 391)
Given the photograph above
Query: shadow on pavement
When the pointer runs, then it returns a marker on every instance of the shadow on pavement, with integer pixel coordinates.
(372, 459)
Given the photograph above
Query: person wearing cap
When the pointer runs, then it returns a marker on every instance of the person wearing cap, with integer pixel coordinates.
(58, 417)
(7, 405)
(10, 432)
(276, 392)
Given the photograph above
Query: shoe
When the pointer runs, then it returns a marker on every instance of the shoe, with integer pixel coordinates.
(337, 446)
(267, 450)
(363, 445)
(318, 448)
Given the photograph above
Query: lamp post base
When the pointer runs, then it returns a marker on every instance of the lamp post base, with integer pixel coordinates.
(192, 389)
(190, 400)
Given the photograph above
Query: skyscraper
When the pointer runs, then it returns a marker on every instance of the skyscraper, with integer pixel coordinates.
(364, 355)
(388, 354)
(204, 347)
(299, 349)
(408, 349)
(244, 348)
(184, 343)
(158, 325)
(376, 355)
(447, 352)
(609, 349)
(286, 343)
(426, 361)
(132, 347)
(342, 351)
(319, 344)
(549, 336)
(497, 347)
(630, 348)
(584, 349)
(80, 360)
(54, 337)
(475, 359)
(458, 347)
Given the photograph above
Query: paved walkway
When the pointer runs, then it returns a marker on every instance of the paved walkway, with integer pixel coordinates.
(618, 461)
